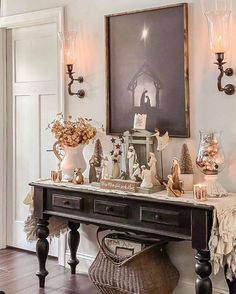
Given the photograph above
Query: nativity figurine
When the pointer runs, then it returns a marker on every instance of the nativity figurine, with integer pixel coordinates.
(105, 171)
(92, 170)
(136, 176)
(132, 159)
(124, 176)
(171, 191)
(175, 169)
(146, 176)
(174, 185)
(152, 163)
(116, 163)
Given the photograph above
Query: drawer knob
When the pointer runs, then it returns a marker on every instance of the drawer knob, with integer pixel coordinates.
(109, 209)
(66, 202)
(157, 216)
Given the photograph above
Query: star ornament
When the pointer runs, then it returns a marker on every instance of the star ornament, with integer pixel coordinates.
(122, 140)
(113, 140)
(118, 146)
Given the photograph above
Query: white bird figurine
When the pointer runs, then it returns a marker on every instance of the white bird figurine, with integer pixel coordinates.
(162, 141)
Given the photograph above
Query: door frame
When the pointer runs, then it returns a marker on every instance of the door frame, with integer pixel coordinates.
(54, 15)
(3, 7)
(3, 202)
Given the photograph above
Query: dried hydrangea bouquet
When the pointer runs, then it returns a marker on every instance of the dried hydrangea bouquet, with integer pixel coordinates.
(72, 136)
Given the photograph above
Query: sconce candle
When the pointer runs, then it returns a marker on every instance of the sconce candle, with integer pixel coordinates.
(218, 16)
(69, 41)
(200, 192)
(220, 47)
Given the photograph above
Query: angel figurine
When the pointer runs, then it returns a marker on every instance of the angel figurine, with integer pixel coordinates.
(162, 141)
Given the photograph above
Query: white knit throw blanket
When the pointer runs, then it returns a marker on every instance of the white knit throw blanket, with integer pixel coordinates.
(222, 243)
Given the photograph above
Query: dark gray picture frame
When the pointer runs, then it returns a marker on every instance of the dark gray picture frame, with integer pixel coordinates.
(147, 69)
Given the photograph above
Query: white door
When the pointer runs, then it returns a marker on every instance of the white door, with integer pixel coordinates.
(33, 102)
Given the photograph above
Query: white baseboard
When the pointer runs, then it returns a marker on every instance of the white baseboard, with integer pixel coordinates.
(85, 262)
(184, 286)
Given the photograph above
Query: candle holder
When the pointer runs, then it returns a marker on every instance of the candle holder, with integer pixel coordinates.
(56, 176)
(80, 93)
(218, 17)
(210, 160)
(200, 192)
(229, 89)
(69, 45)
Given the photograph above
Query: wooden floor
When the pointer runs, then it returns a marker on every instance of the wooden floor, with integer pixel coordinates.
(17, 276)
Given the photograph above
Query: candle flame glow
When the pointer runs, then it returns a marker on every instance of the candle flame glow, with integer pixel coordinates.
(220, 43)
(144, 33)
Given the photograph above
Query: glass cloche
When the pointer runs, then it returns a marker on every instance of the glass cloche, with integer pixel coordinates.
(210, 160)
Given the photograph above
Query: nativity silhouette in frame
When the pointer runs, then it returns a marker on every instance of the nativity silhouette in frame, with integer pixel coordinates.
(147, 70)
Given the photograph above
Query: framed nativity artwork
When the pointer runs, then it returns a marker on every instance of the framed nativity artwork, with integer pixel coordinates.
(147, 70)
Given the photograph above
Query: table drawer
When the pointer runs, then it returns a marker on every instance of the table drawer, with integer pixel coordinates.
(111, 208)
(160, 216)
(68, 202)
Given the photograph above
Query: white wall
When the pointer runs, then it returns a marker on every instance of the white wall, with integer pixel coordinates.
(209, 108)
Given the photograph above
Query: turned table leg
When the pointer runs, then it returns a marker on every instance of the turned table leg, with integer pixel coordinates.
(42, 247)
(231, 284)
(73, 242)
(203, 270)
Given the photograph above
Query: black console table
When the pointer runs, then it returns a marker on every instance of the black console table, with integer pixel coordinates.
(166, 219)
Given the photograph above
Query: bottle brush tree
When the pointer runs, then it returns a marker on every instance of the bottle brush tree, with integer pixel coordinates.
(185, 161)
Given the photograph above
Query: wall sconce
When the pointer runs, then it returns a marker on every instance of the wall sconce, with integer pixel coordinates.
(69, 45)
(218, 17)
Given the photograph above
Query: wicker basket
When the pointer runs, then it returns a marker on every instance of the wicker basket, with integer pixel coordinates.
(149, 271)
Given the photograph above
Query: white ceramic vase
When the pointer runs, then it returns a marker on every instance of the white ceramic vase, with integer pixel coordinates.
(72, 159)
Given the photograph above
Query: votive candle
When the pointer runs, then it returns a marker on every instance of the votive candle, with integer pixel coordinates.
(200, 192)
(56, 176)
